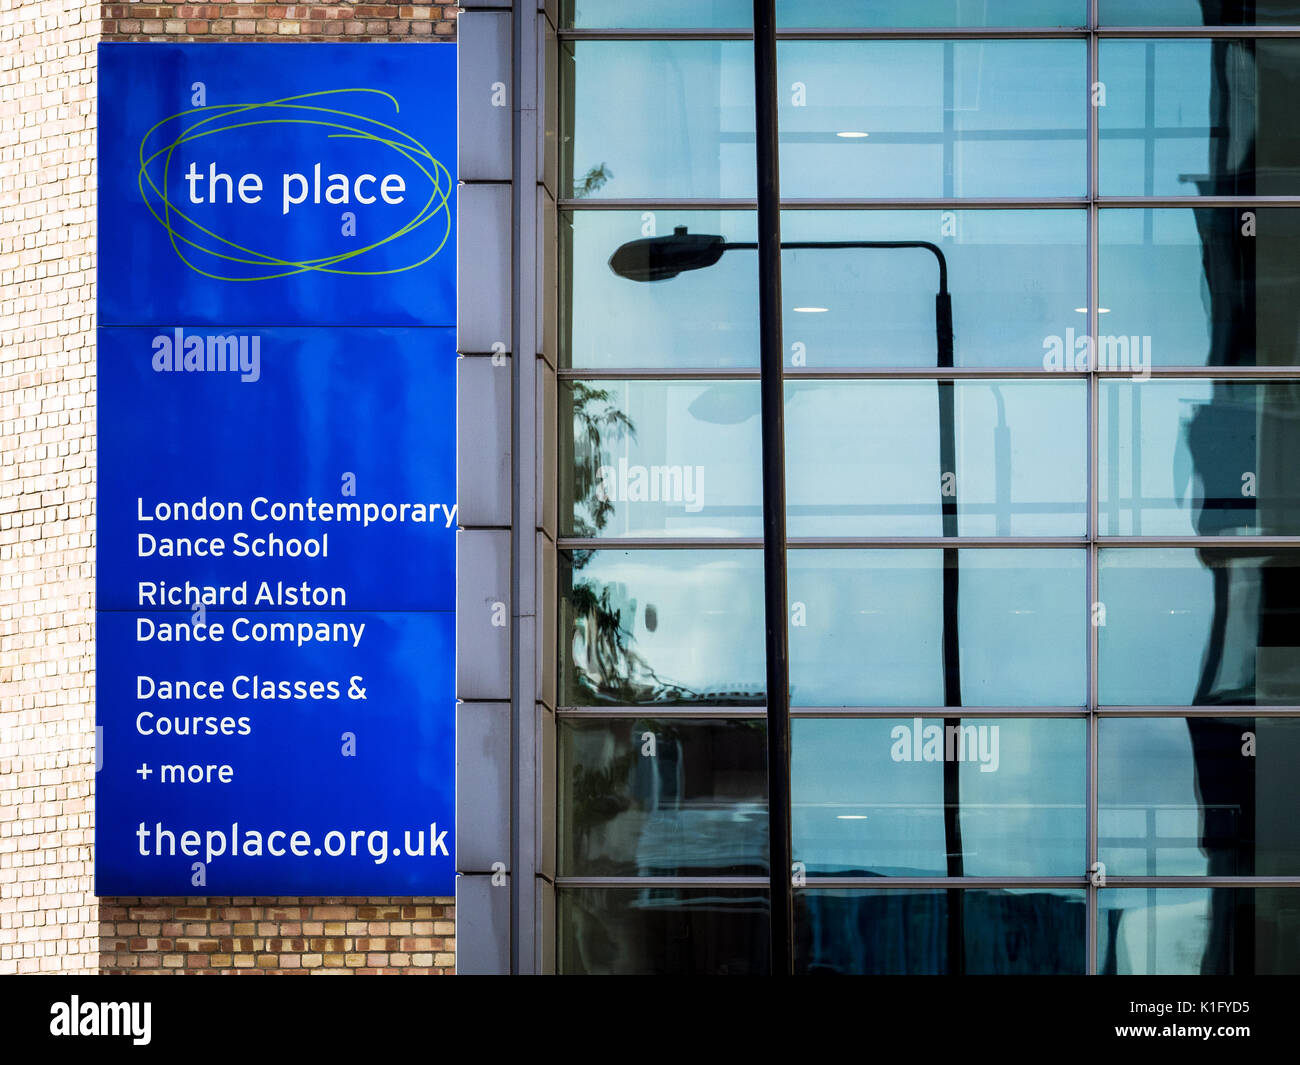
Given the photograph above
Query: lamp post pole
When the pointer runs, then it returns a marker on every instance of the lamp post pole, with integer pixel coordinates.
(772, 387)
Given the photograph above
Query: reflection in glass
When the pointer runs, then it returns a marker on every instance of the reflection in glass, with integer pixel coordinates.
(1209, 627)
(1200, 117)
(671, 14)
(1199, 796)
(668, 797)
(1199, 12)
(660, 458)
(885, 13)
(706, 317)
(1016, 277)
(868, 796)
(658, 119)
(662, 931)
(1024, 932)
(1200, 457)
(683, 627)
(1202, 286)
(941, 118)
(863, 458)
(1198, 931)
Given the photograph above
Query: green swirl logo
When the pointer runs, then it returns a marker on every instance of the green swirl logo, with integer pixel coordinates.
(221, 259)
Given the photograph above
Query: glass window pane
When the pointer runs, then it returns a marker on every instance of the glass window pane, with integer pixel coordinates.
(661, 627)
(1200, 117)
(662, 931)
(1024, 932)
(932, 118)
(660, 458)
(666, 797)
(1198, 932)
(672, 14)
(1015, 278)
(863, 457)
(1208, 458)
(1199, 12)
(1199, 796)
(872, 13)
(1209, 627)
(659, 119)
(867, 627)
(1205, 286)
(705, 317)
(869, 796)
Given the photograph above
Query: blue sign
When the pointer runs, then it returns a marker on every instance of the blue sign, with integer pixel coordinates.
(276, 470)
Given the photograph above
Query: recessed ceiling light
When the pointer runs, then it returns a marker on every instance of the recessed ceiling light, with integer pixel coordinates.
(1100, 310)
(811, 310)
(850, 817)
(852, 134)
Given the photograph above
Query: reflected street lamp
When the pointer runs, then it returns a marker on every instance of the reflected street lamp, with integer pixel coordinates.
(664, 258)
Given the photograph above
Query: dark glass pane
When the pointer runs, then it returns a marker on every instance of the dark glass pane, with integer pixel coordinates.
(671, 14)
(1199, 12)
(663, 797)
(657, 119)
(1200, 117)
(663, 931)
(863, 458)
(866, 627)
(1021, 932)
(1015, 278)
(1198, 932)
(1204, 286)
(1209, 458)
(1199, 796)
(1209, 627)
(869, 796)
(933, 118)
(872, 13)
(701, 317)
(657, 458)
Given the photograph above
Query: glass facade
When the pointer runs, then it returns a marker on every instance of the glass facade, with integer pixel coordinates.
(1043, 571)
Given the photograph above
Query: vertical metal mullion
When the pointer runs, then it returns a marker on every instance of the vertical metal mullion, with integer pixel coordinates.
(772, 387)
(1090, 820)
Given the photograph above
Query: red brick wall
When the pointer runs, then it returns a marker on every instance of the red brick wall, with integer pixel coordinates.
(321, 21)
(302, 936)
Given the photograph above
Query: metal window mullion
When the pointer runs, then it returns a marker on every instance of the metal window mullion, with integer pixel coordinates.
(1093, 580)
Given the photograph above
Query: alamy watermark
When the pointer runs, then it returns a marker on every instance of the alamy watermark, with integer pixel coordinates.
(1079, 351)
(634, 483)
(175, 352)
(919, 742)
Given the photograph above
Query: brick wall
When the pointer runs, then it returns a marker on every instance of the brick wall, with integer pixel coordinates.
(240, 935)
(50, 920)
(250, 21)
(47, 462)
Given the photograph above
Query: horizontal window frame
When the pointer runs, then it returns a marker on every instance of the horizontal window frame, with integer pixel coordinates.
(922, 33)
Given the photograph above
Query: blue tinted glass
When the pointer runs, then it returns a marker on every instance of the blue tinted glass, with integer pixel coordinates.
(1015, 278)
(659, 118)
(870, 796)
(674, 14)
(1214, 627)
(1209, 458)
(1199, 12)
(1201, 286)
(1024, 932)
(863, 458)
(932, 118)
(871, 13)
(1198, 932)
(866, 629)
(662, 931)
(1199, 796)
(1199, 117)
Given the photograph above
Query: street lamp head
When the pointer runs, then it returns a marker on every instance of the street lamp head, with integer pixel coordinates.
(661, 258)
